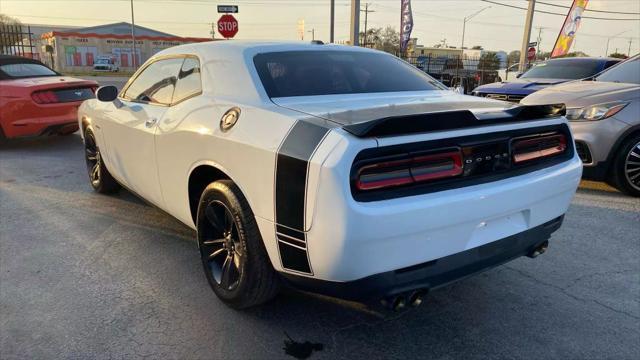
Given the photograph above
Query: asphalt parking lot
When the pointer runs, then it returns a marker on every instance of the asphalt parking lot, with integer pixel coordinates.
(84, 275)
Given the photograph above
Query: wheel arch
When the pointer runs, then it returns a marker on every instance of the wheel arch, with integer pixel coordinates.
(628, 134)
(84, 124)
(200, 176)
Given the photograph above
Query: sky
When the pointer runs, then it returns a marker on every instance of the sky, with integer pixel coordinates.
(496, 28)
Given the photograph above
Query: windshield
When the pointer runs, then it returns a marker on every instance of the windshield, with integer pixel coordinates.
(305, 73)
(102, 61)
(626, 72)
(563, 69)
(26, 70)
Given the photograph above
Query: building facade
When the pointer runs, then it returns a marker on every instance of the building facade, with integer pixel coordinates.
(76, 50)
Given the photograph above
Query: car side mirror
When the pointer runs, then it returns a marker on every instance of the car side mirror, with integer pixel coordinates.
(107, 93)
(518, 76)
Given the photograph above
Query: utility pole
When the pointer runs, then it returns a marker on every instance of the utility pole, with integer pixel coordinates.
(355, 22)
(629, 51)
(332, 20)
(213, 30)
(313, 34)
(539, 40)
(606, 52)
(133, 37)
(366, 13)
(464, 23)
(526, 36)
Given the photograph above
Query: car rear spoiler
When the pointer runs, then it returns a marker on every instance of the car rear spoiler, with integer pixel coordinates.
(452, 120)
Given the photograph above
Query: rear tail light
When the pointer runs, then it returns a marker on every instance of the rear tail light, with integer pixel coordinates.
(408, 169)
(44, 97)
(532, 148)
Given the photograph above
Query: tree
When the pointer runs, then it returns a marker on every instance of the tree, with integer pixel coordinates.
(489, 61)
(618, 55)
(575, 54)
(543, 55)
(372, 38)
(390, 40)
(513, 57)
(387, 39)
(8, 21)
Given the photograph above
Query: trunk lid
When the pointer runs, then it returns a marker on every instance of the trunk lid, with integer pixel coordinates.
(394, 114)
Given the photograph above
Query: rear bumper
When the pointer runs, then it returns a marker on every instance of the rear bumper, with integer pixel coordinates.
(34, 120)
(352, 240)
(434, 273)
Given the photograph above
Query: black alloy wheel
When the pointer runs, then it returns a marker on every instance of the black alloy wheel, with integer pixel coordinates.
(92, 157)
(221, 248)
(99, 177)
(233, 255)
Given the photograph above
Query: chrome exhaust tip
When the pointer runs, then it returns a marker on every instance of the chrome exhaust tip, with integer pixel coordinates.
(539, 250)
(416, 298)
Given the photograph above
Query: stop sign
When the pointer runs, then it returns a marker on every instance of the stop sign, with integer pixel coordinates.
(227, 26)
(531, 53)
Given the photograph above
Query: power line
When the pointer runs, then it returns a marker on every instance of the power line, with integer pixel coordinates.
(590, 10)
(558, 14)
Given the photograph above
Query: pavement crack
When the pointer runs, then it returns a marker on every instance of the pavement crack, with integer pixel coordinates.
(565, 291)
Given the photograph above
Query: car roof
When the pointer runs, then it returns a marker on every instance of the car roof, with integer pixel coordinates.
(13, 59)
(232, 48)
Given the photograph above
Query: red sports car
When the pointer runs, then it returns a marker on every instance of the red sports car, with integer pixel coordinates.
(35, 100)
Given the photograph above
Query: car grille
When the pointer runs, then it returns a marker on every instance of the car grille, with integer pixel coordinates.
(503, 97)
(583, 152)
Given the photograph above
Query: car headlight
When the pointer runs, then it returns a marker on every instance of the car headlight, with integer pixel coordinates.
(595, 112)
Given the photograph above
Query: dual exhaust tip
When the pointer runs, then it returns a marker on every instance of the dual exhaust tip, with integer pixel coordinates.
(416, 298)
(401, 301)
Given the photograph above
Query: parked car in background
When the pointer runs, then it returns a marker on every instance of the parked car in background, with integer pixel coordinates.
(455, 72)
(105, 63)
(604, 115)
(337, 169)
(545, 74)
(511, 72)
(35, 100)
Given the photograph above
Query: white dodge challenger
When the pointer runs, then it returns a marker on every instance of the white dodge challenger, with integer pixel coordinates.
(336, 169)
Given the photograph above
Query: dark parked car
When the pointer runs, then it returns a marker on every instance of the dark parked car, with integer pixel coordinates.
(545, 74)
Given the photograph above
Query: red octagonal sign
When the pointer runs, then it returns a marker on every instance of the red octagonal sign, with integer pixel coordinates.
(227, 26)
(531, 53)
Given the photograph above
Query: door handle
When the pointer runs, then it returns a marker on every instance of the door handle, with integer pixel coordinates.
(151, 122)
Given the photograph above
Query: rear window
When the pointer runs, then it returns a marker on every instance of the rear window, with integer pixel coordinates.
(564, 69)
(26, 70)
(306, 73)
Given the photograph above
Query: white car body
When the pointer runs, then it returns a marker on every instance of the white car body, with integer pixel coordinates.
(334, 238)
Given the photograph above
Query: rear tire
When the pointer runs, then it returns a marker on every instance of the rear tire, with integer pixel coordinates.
(625, 172)
(99, 177)
(233, 256)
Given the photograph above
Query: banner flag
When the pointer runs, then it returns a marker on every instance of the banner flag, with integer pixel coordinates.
(406, 24)
(569, 28)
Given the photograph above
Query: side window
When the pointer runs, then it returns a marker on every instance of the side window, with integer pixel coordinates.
(156, 83)
(189, 82)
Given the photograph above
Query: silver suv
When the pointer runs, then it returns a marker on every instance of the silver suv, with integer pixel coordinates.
(604, 114)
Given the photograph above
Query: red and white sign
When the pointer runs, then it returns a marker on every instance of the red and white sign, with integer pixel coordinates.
(227, 26)
(531, 53)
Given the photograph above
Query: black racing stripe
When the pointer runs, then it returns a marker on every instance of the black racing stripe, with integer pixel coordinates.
(290, 188)
(290, 232)
(294, 258)
(292, 241)
(291, 172)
